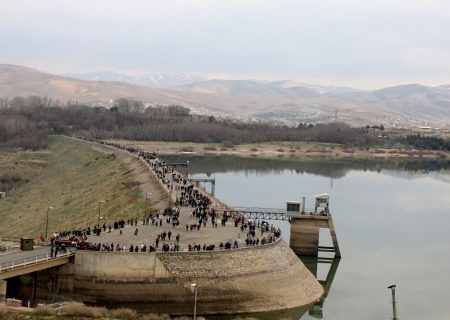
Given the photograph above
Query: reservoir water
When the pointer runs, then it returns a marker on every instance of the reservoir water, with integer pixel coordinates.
(392, 221)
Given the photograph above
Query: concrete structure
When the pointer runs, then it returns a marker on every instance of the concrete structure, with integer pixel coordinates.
(305, 231)
(253, 279)
(305, 228)
(305, 224)
(17, 266)
(3, 284)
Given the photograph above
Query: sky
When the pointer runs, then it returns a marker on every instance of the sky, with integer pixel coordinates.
(359, 43)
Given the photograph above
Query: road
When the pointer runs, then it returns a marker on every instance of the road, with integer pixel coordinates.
(15, 256)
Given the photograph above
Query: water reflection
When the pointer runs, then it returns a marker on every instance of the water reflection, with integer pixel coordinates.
(391, 218)
(324, 168)
(312, 263)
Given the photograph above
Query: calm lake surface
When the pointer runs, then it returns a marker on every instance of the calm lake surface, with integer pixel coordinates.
(392, 221)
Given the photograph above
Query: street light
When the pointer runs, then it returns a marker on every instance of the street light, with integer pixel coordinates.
(147, 196)
(194, 290)
(99, 205)
(46, 226)
(394, 307)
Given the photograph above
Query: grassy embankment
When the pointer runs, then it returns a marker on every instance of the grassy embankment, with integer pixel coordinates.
(76, 310)
(293, 150)
(72, 177)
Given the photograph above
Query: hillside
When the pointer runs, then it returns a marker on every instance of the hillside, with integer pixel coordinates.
(22, 81)
(149, 80)
(286, 101)
(405, 105)
(72, 177)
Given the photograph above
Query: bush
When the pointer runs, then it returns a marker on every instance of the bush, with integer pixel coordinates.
(124, 313)
(228, 144)
(4, 312)
(78, 309)
(43, 310)
(433, 143)
(254, 149)
(210, 148)
(153, 316)
(441, 156)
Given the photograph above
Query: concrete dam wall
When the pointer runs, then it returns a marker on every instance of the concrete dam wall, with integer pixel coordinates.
(254, 279)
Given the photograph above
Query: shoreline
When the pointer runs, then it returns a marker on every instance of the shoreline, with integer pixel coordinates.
(285, 150)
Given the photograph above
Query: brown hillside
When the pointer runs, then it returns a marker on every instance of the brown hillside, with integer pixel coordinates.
(23, 81)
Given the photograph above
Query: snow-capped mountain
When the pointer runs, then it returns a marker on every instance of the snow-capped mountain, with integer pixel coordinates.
(150, 80)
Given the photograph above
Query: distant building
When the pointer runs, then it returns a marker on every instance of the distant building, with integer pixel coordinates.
(424, 131)
(375, 132)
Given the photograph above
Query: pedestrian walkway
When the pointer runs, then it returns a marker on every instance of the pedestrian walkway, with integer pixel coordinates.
(147, 234)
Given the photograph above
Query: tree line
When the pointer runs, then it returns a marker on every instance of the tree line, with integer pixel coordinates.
(431, 143)
(24, 121)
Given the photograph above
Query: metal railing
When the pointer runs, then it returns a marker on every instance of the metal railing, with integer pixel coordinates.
(212, 180)
(24, 262)
(266, 213)
(5, 247)
(10, 239)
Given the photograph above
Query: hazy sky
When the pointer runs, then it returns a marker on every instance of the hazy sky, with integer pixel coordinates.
(362, 43)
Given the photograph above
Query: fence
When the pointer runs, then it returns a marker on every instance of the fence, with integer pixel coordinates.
(23, 262)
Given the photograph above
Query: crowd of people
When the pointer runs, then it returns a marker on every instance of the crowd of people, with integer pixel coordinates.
(186, 196)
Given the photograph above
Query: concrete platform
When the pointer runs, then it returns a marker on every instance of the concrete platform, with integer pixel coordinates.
(147, 233)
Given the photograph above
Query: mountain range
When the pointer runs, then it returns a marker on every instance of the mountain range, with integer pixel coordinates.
(150, 80)
(285, 101)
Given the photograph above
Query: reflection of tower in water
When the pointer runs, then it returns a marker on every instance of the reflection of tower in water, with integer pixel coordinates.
(313, 264)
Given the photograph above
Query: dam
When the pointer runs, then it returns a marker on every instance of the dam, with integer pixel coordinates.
(157, 281)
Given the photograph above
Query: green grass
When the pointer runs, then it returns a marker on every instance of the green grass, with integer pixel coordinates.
(72, 177)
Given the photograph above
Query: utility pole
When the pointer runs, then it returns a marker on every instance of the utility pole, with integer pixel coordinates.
(12, 178)
(394, 303)
(46, 225)
(99, 217)
(335, 114)
(147, 196)
(194, 290)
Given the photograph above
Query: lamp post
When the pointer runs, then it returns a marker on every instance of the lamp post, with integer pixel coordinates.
(99, 206)
(46, 225)
(394, 304)
(194, 290)
(147, 196)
